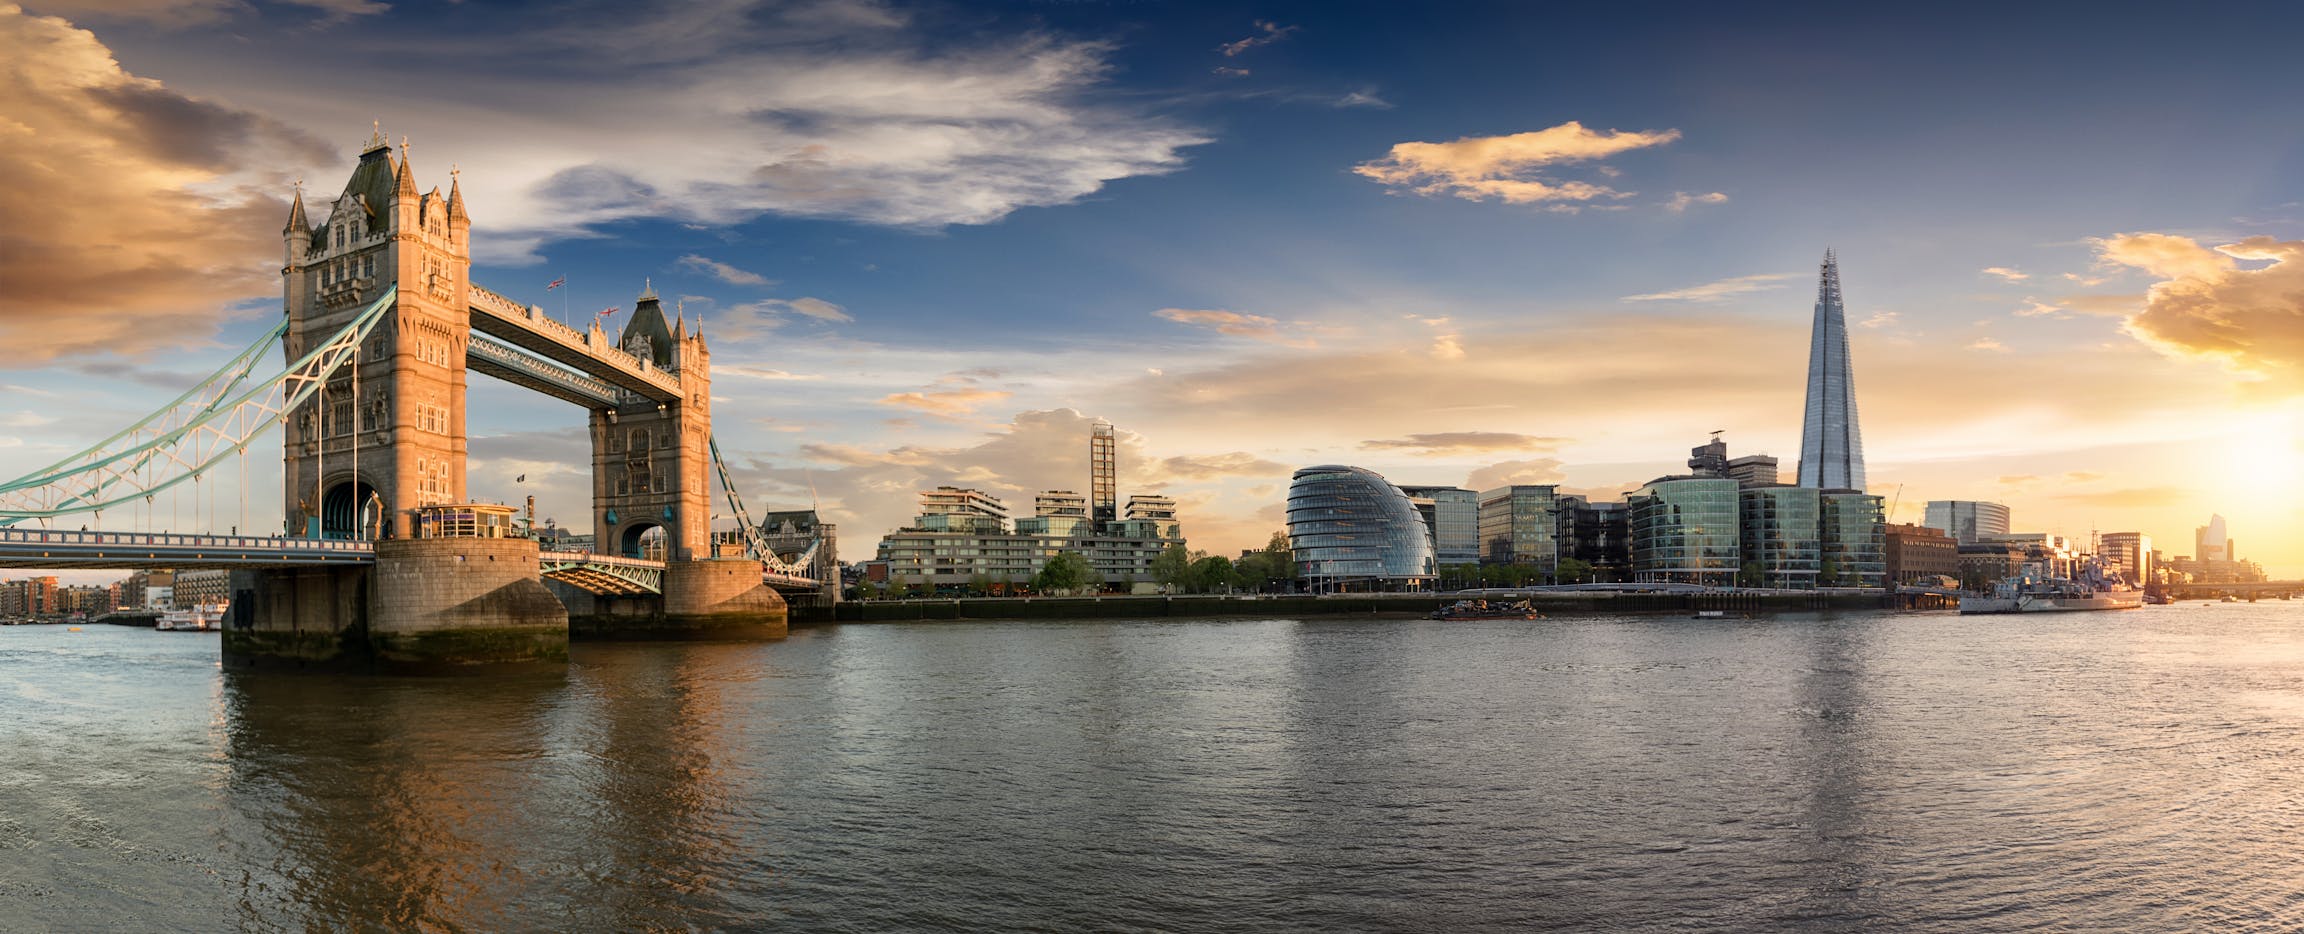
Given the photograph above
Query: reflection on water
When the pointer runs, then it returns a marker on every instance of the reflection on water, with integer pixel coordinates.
(2111, 771)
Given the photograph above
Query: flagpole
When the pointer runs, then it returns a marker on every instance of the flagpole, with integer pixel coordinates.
(563, 299)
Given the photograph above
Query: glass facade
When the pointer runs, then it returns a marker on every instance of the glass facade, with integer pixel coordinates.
(1455, 517)
(1853, 536)
(1598, 534)
(1684, 531)
(1779, 528)
(1521, 525)
(1831, 441)
(1967, 521)
(1354, 530)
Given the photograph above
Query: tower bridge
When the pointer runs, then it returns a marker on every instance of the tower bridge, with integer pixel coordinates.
(383, 559)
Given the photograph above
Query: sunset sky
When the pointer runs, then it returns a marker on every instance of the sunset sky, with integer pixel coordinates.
(1457, 244)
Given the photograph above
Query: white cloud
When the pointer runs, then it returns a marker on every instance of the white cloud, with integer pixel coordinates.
(1267, 32)
(1365, 97)
(2006, 274)
(1681, 200)
(2034, 308)
(1716, 291)
(723, 271)
(1881, 319)
(1986, 343)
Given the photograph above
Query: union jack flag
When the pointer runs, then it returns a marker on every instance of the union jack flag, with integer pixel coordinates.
(556, 283)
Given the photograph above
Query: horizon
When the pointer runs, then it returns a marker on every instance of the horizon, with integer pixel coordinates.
(931, 244)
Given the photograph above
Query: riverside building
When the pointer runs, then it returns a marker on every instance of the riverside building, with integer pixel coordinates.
(963, 537)
(1685, 531)
(1520, 524)
(1453, 513)
(1967, 521)
(1598, 534)
(1354, 531)
(1781, 531)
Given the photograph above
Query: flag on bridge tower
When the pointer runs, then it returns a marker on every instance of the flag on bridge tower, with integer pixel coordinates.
(556, 283)
(605, 312)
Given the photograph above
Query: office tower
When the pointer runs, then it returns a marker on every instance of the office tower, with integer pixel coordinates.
(1103, 473)
(1831, 443)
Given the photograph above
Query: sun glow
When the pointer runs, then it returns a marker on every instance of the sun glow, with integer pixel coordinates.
(2259, 474)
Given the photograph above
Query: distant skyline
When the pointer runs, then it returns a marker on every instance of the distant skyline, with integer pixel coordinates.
(1470, 245)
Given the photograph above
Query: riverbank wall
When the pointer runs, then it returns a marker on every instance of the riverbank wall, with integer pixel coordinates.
(1189, 606)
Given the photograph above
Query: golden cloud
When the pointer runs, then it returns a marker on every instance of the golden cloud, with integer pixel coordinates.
(945, 401)
(1541, 470)
(1446, 443)
(1477, 168)
(1236, 324)
(1211, 466)
(121, 228)
(2208, 305)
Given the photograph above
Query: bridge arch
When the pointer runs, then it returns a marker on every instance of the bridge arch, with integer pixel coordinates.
(351, 510)
(642, 540)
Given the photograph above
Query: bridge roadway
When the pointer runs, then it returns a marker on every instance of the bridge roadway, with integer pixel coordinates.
(44, 549)
(602, 373)
(39, 549)
(2249, 590)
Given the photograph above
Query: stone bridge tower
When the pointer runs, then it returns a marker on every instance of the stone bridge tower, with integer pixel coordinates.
(651, 461)
(390, 431)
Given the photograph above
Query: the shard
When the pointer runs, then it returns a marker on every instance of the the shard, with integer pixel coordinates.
(1831, 444)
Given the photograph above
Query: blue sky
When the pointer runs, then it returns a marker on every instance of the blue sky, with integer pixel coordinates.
(931, 240)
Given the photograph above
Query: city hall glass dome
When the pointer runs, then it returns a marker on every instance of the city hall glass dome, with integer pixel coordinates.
(1354, 530)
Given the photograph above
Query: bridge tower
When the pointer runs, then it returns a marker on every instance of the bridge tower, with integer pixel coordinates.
(388, 432)
(651, 489)
(383, 438)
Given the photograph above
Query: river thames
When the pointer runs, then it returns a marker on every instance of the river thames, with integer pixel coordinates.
(2136, 770)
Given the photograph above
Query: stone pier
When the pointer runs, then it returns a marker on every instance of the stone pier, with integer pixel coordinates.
(428, 604)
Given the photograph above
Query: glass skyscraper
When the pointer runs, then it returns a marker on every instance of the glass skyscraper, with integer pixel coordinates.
(1353, 530)
(1831, 443)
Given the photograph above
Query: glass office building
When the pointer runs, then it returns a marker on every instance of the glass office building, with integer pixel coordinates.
(1780, 535)
(1967, 521)
(1454, 514)
(1684, 531)
(1354, 530)
(1853, 537)
(1521, 525)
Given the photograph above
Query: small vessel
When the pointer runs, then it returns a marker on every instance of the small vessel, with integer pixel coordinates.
(200, 617)
(2095, 589)
(1483, 609)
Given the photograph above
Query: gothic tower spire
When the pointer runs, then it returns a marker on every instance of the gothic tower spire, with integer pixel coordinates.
(1831, 442)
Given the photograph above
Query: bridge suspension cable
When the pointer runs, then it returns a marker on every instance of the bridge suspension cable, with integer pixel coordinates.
(213, 420)
(755, 537)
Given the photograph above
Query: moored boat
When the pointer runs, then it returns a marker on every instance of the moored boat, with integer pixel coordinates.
(1483, 609)
(2094, 589)
(200, 617)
